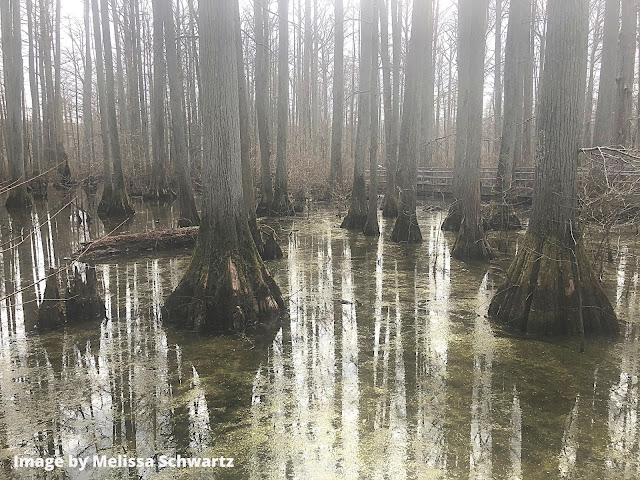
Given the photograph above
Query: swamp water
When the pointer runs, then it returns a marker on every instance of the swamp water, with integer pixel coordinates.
(385, 366)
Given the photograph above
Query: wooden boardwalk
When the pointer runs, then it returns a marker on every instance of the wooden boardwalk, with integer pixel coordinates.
(438, 181)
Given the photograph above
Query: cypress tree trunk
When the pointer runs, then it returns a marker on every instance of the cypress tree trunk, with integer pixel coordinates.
(159, 186)
(406, 228)
(497, 75)
(503, 216)
(226, 285)
(625, 73)
(62, 159)
(87, 91)
(281, 203)
(337, 121)
(471, 243)
(120, 205)
(390, 202)
(426, 137)
(39, 185)
(131, 38)
(371, 227)
(550, 287)
(262, 109)
(188, 213)
(107, 191)
(245, 151)
(12, 70)
(603, 131)
(527, 122)
(357, 215)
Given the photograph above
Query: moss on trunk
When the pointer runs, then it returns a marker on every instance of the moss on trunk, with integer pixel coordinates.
(226, 285)
(551, 289)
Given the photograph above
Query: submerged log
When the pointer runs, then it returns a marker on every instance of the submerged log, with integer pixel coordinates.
(160, 241)
(139, 243)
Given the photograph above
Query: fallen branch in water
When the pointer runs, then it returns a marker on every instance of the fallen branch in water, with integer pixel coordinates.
(139, 243)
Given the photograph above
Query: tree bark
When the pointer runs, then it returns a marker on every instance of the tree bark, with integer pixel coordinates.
(551, 288)
(262, 108)
(390, 202)
(357, 215)
(107, 191)
(603, 131)
(281, 202)
(371, 227)
(497, 85)
(503, 216)
(226, 284)
(471, 243)
(188, 213)
(337, 122)
(159, 187)
(625, 75)
(406, 228)
(39, 185)
(18, 197)
(120, 205)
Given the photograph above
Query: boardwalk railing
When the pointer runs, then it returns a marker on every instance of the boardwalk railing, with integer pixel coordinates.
(439, 180)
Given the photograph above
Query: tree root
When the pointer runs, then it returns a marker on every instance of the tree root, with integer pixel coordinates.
(18, 198)
(551, 289)
(227, 286)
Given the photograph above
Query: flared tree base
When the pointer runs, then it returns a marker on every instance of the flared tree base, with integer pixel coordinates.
(263, 209)
(354, 221)
(51, 311)
(84, 303)
(471, 244)
(281, 206)
(270, 248)
(389, 206)
(503, 218)
(226, 285)
(371, 229)
(406, 229)
(551, 289)
(160, 194)
(38, 188)
(18, 199)
(118, 206)
(453, 220)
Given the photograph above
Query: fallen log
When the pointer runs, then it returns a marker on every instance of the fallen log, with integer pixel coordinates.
(138, 243)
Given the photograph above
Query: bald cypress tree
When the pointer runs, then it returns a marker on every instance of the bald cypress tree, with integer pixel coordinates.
(13, 81)
(471, 243)
(226, 284)
(281, 203)
(188, 213)
(406, 228)
(357, 215)
(119, 205)
(550, 287)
